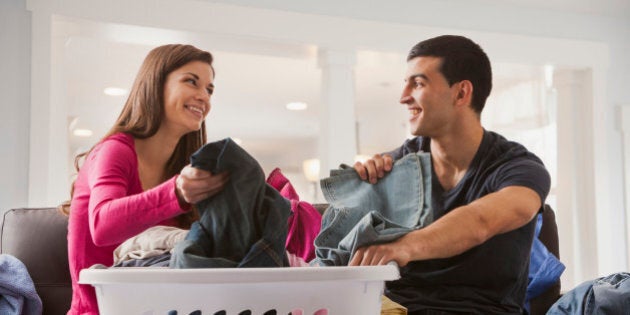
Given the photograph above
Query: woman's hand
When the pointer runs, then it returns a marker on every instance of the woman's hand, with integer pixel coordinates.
(194, 185)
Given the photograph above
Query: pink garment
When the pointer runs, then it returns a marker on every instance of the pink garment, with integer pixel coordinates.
(108, 207)
(295, 261)
(304, 224)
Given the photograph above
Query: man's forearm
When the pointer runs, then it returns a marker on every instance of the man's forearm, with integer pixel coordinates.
(451, 235)
(468, 226)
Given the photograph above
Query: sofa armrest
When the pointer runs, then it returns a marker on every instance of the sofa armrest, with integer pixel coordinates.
(38, 238)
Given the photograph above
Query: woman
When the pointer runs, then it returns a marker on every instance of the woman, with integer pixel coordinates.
(129, 181)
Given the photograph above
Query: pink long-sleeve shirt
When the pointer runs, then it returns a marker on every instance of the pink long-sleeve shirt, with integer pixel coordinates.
(108, 207)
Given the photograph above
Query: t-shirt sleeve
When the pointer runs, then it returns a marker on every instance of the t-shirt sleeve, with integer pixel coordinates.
(524, 172)
(114, 215)
(412, 145)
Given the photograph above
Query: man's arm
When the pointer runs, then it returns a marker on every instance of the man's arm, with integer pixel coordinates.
(459, 230)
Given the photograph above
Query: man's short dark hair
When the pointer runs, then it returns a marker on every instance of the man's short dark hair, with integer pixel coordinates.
(462, 59)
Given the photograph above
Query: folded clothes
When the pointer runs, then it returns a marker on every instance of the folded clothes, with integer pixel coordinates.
(151, 242)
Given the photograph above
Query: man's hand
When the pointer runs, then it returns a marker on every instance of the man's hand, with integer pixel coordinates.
(194, 185)
(374, 168)
(382, 254)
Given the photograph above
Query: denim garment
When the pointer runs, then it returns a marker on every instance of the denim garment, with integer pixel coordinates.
(362, 214)
(245, 225)
(602, 296)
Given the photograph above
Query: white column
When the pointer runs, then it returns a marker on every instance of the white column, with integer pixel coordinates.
(576, 215)
(611, 245)
(625, 129)
(48, 178)
(337, 138)
(15, 89)
(39, 149)
(59, 175)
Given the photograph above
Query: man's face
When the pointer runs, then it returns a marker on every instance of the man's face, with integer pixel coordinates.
(428, 97)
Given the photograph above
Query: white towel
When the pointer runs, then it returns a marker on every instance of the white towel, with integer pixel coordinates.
(152, 242)
(17, 291)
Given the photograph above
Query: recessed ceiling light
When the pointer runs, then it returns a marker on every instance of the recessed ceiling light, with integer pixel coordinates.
(297, 106)
(114, 91)
(82, 132)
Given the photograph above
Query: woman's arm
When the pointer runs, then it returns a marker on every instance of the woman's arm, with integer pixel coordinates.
(115, 214)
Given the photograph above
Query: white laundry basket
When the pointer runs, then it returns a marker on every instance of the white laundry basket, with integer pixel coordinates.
(145, 290)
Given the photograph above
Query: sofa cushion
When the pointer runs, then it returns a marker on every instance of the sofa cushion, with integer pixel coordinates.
(37, 237)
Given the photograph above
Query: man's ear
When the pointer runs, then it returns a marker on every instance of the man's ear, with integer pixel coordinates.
(464, 93)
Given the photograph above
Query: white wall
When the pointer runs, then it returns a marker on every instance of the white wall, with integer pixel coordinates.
(15, 76)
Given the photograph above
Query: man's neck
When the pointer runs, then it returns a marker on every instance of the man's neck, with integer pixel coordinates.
(453, 153)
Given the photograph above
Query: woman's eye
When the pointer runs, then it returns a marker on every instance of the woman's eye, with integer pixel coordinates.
(192, 81)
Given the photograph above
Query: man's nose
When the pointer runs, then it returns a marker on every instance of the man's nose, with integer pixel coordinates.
(405, 97)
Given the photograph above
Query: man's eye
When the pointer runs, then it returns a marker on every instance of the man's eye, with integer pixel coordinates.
(210, 91)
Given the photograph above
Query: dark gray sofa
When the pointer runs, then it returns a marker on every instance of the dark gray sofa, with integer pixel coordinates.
(37, 237)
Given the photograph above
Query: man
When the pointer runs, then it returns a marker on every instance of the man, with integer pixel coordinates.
(486, 192)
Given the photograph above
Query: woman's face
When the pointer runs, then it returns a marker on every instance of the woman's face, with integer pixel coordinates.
(187, 93)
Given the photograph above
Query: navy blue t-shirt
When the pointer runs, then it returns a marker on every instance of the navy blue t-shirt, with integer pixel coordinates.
(490, 278)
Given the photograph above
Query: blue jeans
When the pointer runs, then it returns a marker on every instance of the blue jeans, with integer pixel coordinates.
(362, 214)
(606, 295)
(245, 225)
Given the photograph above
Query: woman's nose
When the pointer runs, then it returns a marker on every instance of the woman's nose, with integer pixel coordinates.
(203, 95)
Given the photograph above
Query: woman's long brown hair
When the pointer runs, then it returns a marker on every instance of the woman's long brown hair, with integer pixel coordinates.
(144, 110)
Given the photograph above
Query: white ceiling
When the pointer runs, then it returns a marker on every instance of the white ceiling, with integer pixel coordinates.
(399, 10)
(611, 8)
(255, 79)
